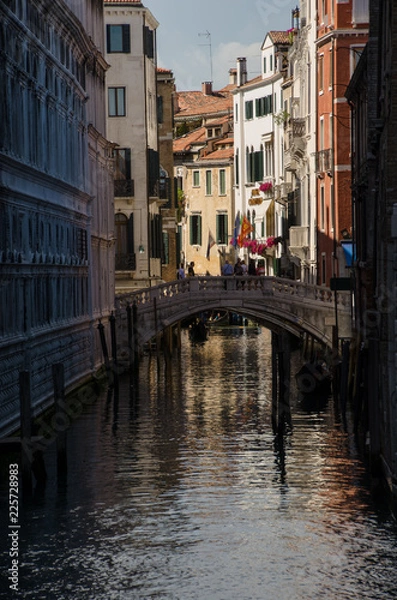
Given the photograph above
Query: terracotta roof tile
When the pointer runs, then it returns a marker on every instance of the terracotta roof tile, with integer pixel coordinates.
(217, 121)
(280, 37)
(219, 153)
(223, 141)
(184, 143)
(194, 103)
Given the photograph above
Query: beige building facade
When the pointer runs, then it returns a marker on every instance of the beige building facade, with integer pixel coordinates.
(204, 169)
(131, 106)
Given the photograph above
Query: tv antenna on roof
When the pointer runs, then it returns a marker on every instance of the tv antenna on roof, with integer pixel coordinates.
(208, 36)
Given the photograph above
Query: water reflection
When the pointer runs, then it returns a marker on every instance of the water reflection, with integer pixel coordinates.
(178, 489)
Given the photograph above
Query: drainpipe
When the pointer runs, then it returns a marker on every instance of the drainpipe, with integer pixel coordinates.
(333, 211)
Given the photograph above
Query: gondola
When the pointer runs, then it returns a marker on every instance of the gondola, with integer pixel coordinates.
(198, 331)
(314, 378)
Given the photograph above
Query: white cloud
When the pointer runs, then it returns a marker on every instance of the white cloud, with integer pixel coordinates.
(225, 58)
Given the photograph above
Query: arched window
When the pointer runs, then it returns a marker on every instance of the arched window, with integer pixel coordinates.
(164, 186)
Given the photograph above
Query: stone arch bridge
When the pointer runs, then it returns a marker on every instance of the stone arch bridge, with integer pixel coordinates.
(277, 303)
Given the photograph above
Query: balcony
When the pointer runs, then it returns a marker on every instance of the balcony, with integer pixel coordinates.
(323, 161)
(125, 262)
(298, 128)
(296, 133)
(124, 188)
(299, 241)
(297, 139)
(290, 163)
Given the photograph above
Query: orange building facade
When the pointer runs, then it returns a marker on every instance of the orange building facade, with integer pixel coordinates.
(342, 32)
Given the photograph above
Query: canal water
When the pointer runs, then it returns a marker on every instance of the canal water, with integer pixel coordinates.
(181, 492)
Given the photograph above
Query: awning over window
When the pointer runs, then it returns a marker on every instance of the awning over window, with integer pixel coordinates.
(349, 252)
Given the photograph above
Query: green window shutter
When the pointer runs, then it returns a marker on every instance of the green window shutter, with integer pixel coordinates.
(195, 230)
(222, 229)
(108, 39)
(130, 235)
(208, 183)
(126, 39)
(199, 230)
(258, 107)
(191, 230)
(222, 182)
(257, 167)
(260, 165)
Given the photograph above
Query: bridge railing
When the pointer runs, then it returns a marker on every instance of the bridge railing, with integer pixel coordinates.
(267, 286)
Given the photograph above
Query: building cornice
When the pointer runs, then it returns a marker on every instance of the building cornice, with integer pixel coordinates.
(335, 33)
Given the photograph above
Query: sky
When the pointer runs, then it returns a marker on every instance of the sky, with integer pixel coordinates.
(200, 38)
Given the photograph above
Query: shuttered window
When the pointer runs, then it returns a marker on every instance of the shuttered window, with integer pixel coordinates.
(222, 229)
(118, 39)
(195, 230)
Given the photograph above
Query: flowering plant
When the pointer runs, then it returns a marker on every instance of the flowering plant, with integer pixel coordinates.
(291, 32)
(256, 247)
(266, 187)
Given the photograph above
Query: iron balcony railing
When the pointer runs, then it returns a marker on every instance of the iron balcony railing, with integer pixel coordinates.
(124, 188)
(125, 262)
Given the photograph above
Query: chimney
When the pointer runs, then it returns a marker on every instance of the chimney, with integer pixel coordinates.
(241, 71)
(207, 88)
(232, 76)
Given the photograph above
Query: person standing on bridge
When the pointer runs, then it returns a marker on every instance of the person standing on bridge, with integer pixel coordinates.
(251, 267)
(190, 270)
(227, 268)
(181, 272)
(238, 268)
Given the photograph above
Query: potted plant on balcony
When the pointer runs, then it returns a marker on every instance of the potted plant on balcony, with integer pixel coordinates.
(266, 187)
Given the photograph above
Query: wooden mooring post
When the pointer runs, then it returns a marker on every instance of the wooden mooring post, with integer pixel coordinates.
(115, 377)
(168, 345)
(105, 353)
(129, 336)
(281, 382)
(61, 419)
(158, 334)
(26, 431)
(274, 380)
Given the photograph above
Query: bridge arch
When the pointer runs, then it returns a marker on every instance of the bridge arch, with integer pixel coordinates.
(279, 304)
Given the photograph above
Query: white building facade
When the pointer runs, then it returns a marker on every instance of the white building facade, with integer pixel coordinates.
(260, 192)
(56, 198)
(300, 144)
